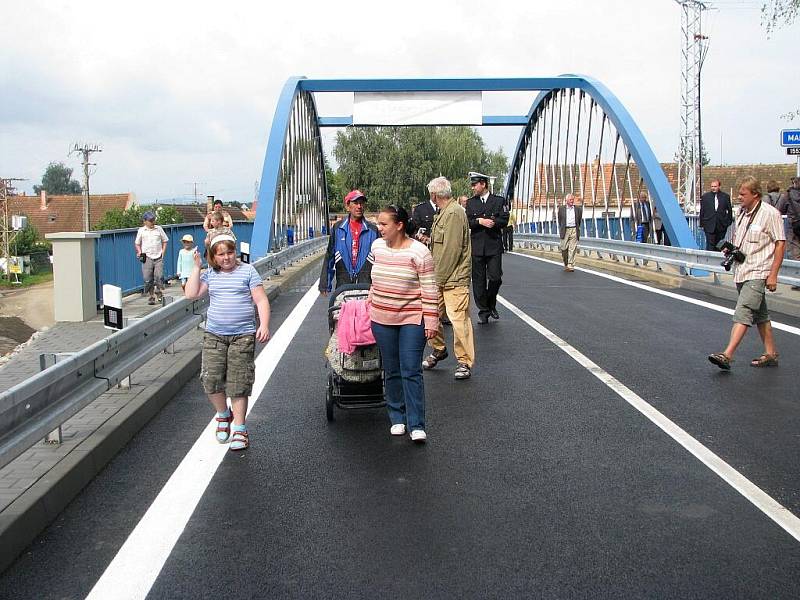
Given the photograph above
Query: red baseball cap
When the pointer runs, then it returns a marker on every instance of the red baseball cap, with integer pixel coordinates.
(354, 195)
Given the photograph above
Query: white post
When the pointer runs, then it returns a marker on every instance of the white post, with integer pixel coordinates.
(73, 275)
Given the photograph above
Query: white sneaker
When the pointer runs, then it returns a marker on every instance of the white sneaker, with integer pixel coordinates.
(418, 435)
(398, 429)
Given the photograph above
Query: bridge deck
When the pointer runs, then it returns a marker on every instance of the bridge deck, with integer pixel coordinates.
(538, 478)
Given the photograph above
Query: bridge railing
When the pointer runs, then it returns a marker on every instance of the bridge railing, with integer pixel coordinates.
(115, 257)
(685, 258)
(38, 405)
(599, 228)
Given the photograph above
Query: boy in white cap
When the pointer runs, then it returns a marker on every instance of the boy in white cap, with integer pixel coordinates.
(185, 259)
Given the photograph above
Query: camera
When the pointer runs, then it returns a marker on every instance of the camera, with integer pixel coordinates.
(732, 254)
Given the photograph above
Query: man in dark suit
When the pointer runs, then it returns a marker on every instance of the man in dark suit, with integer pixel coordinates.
(569, 230)
(488, 216)
(642, 215)
(422, 216)
(716, 215)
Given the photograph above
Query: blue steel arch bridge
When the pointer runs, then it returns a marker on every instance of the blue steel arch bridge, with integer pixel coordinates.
(576, 138)
(594, 453)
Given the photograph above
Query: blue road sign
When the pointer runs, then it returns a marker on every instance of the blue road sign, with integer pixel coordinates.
(790, 137)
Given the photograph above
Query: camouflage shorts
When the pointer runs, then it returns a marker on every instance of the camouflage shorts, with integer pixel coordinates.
(228, 364)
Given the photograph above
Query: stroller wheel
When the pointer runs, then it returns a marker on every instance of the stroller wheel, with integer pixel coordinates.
(329, 401)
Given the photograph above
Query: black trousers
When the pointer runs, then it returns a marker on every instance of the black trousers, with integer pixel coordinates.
(487, 277)
(508, 239)
(712, 239)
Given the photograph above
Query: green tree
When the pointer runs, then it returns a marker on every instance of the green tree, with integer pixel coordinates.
(57, 180)
(27, 241)
(116, 218)
(336, 191)
(394, 164)
(779, 13)
(774, 15)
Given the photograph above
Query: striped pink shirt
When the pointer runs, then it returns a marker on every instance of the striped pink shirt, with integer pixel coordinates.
(403, 288)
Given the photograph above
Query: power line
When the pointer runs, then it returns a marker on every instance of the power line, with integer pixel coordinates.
(690, 146)
(85, 151)
(7, 232)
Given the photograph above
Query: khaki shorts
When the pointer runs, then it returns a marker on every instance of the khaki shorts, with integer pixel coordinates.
(751, 306)
(228, 364)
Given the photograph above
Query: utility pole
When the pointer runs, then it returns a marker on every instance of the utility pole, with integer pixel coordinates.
(85, 151)
(7, 232)
(194, 185)
(695, 47)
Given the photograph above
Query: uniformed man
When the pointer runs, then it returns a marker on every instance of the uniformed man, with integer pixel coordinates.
(487, 214)
(422, 216)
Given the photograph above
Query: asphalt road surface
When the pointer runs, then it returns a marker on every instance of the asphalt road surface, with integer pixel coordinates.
(540, 477)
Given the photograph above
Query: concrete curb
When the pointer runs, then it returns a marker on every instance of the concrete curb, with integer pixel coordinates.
(778, 303)
(34, 510)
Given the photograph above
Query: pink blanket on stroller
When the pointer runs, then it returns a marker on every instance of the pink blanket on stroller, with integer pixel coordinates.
(354, 328)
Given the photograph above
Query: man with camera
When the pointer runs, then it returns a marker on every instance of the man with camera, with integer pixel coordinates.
(756, 254)
(422, 216)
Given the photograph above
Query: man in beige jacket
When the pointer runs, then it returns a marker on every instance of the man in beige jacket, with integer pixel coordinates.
(452, 258)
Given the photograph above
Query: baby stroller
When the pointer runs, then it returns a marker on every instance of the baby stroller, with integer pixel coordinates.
(354, 380)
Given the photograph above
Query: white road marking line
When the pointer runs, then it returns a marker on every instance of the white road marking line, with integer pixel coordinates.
(641, 286)
(760, 499)
(137, 564)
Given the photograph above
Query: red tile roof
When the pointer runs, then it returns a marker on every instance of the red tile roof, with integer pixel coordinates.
(196, 213)
(65, 213)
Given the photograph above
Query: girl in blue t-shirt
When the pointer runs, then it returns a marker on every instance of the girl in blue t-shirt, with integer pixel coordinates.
(228, 366)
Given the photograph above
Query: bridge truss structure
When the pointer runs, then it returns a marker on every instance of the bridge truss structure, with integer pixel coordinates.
(576, 138)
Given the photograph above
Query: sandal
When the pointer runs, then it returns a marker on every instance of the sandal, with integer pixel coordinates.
(765, 360)
(224, 427)
(239, 440)
(434, 358)
(720, 359)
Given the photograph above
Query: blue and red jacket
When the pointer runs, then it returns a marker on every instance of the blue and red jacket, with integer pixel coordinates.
(338, 261)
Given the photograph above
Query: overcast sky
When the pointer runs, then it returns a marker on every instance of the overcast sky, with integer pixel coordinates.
(184, 92)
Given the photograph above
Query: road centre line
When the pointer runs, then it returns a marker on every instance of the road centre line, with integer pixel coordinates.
(134, 569)
(755, 495)
(723, 309)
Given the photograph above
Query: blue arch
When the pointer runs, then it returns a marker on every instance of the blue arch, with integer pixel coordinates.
(649, 167)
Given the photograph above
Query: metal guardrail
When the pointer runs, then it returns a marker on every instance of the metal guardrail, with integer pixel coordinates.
(687, 258)
(38, 405)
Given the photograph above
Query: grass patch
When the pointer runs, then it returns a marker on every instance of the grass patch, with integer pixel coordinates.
(25, 280)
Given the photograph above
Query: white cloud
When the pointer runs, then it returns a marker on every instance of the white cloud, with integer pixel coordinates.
(179, 92)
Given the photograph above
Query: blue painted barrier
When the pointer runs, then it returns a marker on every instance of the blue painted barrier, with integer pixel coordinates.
(115, 259)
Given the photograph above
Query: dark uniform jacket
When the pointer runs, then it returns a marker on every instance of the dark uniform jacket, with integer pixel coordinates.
(422, 216)
(487, 241)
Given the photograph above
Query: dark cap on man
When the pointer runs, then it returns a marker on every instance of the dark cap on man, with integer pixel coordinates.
(354, 196)
(475, 177)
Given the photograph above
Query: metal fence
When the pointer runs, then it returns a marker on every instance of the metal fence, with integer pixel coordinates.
(38, 405)
(621, 229)
(115, 258)
(685, 258)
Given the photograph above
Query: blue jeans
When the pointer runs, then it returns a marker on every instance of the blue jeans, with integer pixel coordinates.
(401, 349)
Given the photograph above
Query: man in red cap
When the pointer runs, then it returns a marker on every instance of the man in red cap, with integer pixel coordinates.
(348, 256)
